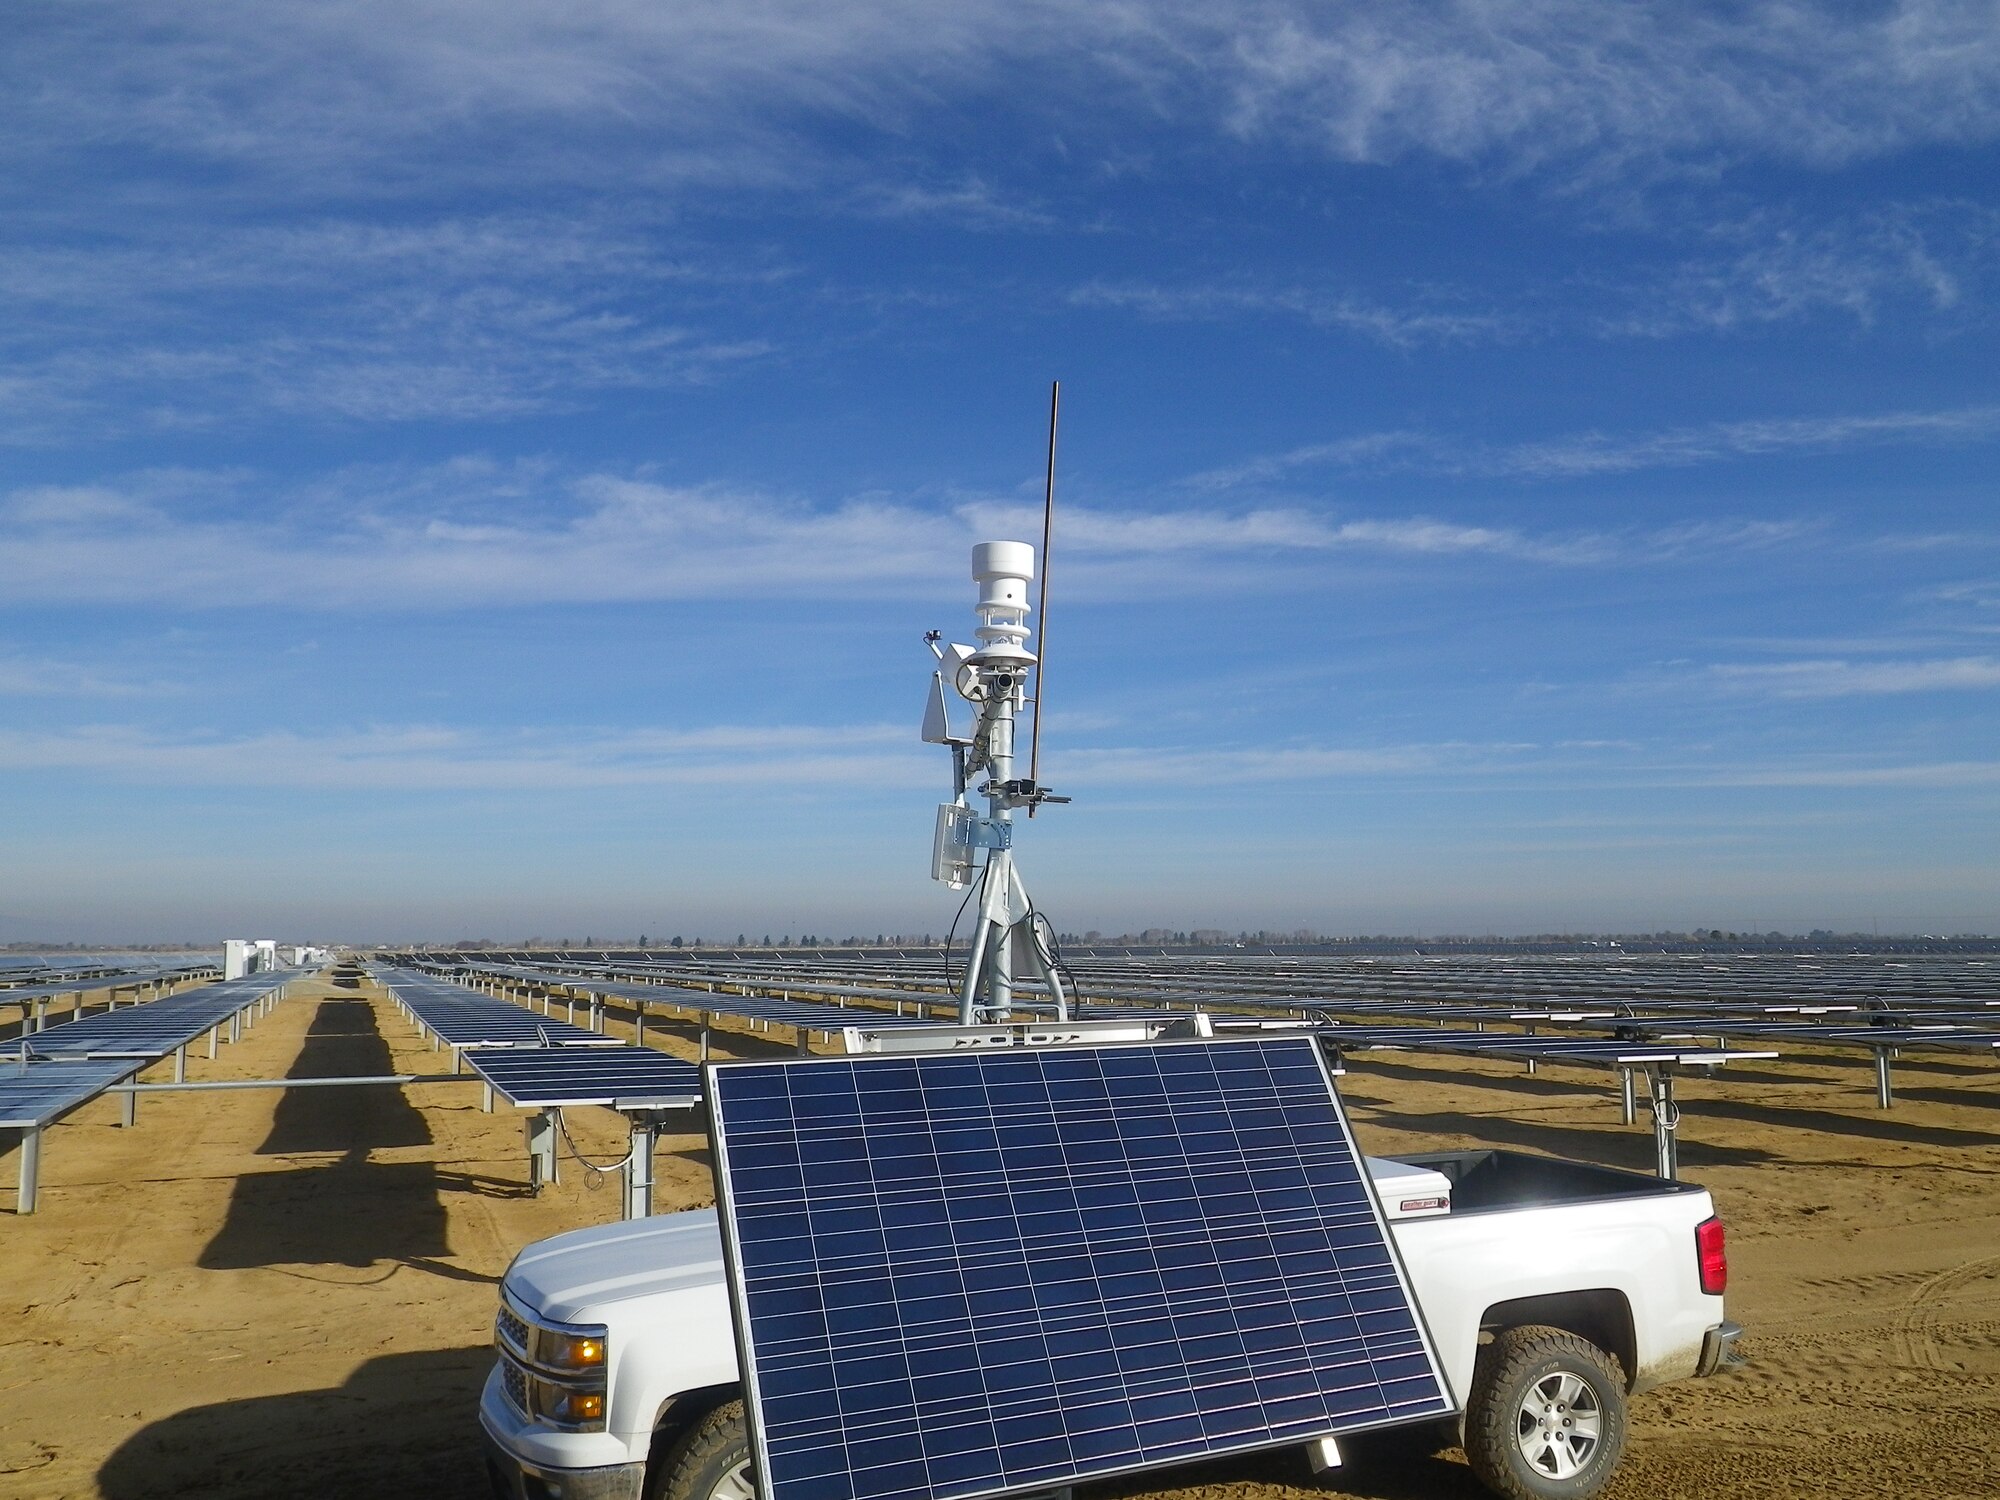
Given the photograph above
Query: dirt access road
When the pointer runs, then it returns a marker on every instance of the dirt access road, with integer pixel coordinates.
(258, 1293)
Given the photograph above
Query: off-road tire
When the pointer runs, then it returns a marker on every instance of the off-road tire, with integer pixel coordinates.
(710, 1461)
(1546, 1417)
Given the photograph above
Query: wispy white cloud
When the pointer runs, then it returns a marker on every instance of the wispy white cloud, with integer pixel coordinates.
(1979, 595)
(143, 315)
(1550, 77)
(1277, 530)
(1590, 454)
(760, 760)
(23, 676)
(971, 201)
(1398, 327)
(431, 758)
(474, 531)
(1915, 776)
(458, 319)
(1926, 259)
(1169, 765)
(1373, 450)
(706, 87)
(1834, 678)
(1931, 265)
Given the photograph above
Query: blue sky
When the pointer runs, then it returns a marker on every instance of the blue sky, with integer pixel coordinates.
(485, 469)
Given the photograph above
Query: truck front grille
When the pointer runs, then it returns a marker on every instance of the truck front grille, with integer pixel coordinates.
(511, 1331)
(516, 1385)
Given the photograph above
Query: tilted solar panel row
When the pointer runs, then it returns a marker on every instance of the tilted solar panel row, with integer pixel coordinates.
(154, 1028)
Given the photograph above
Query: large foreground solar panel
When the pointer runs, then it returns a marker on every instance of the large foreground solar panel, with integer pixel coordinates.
(965, 1274)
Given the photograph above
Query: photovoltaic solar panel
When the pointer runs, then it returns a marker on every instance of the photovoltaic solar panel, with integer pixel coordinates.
(1552, 1049)
(152, 1029)
(464, 1018)
(33, 1096)
(965, 1274)
(554, 1076)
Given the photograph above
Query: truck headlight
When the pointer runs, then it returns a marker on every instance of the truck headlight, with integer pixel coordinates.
(568, 1406)
(571, 1351)
(554, 1372)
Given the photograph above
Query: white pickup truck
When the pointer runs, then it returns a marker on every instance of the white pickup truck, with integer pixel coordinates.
(1552, 1289)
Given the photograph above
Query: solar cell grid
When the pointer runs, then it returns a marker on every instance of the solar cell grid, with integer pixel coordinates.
(537, 1077)
(962, 1274)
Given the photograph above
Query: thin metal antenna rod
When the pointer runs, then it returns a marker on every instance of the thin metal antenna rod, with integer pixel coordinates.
(1042, 604)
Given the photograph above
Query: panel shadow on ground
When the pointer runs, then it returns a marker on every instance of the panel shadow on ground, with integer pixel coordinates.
(401, 1424)
(351, 1210)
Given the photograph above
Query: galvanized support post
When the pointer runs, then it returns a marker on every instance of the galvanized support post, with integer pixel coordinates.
(639, 1169)
(1884, 1092)
(128, 1110)
(638, 1025)
(1627, 1096)
(1666, 1120)
(31, 1168)
(541, 1149)
(181, 1063)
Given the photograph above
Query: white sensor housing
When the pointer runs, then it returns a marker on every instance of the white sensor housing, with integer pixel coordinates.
(1003, 571)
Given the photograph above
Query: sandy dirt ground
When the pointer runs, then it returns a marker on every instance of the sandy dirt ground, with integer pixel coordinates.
(263, 1293)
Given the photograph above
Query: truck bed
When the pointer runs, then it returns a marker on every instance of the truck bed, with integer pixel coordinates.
(1489, 1181)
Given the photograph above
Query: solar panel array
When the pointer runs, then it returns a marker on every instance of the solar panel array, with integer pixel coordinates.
(962, 1274)
(125, 970)
(1749, 982)
(1897, 1036)
(154, 1028)
(799, 1015)
(1606, 1052)
(461, 1019)
(37, 994)
(1825, 1000)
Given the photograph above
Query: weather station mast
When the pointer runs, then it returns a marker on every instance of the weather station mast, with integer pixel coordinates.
(1008, 940)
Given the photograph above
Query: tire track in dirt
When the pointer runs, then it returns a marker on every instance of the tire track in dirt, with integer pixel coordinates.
(1920, 1321)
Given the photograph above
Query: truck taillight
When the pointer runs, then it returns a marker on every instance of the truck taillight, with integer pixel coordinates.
(1710, 1256)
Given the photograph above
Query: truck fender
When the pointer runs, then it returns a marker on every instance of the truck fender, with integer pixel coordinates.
(680, 1411)
(1603, 1315)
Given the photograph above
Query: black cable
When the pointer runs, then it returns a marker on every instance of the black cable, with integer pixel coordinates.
(971, 886)
(598, 1173)
(1051, 949)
